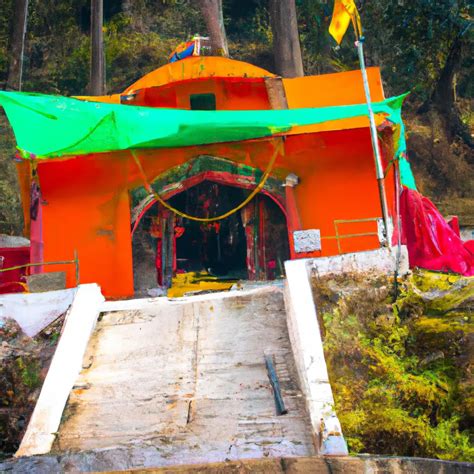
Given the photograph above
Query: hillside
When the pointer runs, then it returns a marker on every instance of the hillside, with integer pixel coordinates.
(140, 35)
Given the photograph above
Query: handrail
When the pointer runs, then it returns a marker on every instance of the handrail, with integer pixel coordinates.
(39, 264)
(339, 236)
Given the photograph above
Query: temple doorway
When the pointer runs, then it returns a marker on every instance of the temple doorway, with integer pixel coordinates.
(218, 247)
(250, 244)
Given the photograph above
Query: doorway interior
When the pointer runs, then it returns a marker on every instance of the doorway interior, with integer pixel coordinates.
(250, 244)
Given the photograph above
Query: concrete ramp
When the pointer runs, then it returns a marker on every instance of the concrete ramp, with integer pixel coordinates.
(186, 380)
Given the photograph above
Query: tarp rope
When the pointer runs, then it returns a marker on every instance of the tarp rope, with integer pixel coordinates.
(279, 148)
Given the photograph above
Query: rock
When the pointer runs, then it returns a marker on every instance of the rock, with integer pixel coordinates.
(432, 358)
(46, 282)
(11, 241)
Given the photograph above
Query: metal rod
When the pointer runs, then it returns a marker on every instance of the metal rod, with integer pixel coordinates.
(280, 404)
(348, 236)
(26, 265)
(374, 138)
(337, 237)
(76, 264)
(399, 225)
(349, 221)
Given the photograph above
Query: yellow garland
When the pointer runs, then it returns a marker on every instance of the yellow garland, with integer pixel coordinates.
(257, 189)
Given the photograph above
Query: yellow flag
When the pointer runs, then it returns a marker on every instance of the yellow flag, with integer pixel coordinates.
(344, 12)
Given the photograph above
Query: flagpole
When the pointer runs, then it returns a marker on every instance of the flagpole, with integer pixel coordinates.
(375, 143)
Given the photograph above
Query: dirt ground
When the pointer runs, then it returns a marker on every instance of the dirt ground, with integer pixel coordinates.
(24, 363)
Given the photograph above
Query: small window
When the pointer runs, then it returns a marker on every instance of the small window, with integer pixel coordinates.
(203, 101)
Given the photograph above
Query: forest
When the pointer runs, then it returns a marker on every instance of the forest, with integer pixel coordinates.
(424, 47)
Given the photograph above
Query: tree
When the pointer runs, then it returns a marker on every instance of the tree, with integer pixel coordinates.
(443, 96)
(17, 44)
(212, 12)
(97, 78)
(286, 42)
(127, 7)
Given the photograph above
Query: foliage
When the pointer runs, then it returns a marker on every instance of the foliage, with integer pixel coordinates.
(11, 217)
(392, 395)
(131, 54)
(413, 39)
(29, 371)
(410, 40)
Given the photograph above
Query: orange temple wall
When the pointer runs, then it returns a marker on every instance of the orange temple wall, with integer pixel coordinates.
(86, 204)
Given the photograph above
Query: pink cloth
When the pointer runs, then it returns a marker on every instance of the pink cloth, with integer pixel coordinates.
(431, 241)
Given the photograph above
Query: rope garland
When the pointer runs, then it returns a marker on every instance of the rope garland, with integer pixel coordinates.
(258, 188)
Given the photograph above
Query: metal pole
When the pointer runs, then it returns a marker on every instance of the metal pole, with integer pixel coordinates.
(38, 264)
(375, 144)
(272, 375)
(76, 264)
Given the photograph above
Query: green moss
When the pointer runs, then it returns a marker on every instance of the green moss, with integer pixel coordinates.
(399, 371)
(437, 293)
(458, 321)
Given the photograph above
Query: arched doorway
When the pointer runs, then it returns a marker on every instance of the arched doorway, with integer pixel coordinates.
(218, 247)
(251, 244)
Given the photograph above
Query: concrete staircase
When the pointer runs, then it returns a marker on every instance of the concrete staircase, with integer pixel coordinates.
(184, 381)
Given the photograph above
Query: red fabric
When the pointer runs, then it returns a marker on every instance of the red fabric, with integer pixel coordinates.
(11, 257)
(12, 287)
(454, 224)
(469, 245)
(430, 240)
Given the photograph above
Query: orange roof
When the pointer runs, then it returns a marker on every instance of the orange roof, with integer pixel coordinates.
(198, 67)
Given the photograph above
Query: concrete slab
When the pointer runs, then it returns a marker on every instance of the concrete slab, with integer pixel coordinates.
(51, 281)
(381, 261)
(305, 335)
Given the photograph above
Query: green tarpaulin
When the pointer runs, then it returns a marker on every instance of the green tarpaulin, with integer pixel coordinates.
(54, 126)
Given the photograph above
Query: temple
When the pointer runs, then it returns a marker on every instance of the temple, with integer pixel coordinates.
(297, 152)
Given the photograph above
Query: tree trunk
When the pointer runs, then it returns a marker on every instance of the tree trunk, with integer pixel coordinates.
(127, 7)
(136, 15)
(212, 12)
(286, 42)
(17, 44)
(443, 96)
(97, 79)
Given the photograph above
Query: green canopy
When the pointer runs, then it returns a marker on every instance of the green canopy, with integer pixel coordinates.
(54, 126)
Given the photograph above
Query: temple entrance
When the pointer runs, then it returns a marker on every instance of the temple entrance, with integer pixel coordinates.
(250, 244)
(218, 247)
